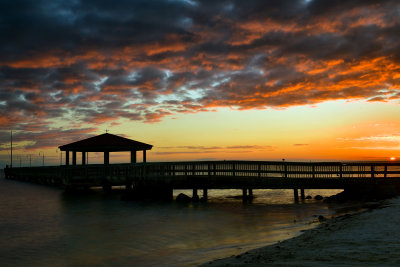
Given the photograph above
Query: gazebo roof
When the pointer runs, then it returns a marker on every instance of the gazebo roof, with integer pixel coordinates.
(105, 142)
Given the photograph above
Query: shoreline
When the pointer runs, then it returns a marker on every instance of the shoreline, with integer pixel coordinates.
(322, 244)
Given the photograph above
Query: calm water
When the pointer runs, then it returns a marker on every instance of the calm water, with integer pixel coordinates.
(43, 226)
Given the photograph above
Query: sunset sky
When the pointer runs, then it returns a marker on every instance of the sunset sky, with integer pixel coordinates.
(251, 80)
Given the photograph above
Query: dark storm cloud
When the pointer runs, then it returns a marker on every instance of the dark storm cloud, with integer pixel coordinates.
(98, 61)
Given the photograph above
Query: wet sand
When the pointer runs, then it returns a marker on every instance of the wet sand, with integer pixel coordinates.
(367, 238)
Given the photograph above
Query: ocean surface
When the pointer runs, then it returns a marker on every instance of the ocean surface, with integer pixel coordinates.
(43, 226)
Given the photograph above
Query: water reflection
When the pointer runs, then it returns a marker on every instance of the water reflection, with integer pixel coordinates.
(44, 226)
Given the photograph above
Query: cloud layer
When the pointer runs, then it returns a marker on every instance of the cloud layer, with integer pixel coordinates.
(95, 61)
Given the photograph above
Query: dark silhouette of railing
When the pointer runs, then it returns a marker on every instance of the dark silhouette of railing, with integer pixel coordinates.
(214, 171)
(270, 169)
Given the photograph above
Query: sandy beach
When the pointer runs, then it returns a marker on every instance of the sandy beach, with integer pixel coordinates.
(366, 238)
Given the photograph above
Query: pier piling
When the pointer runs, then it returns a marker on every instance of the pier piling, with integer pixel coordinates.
(107, 188)
(244, 190)
(250, 196)
(195, 196)
(205, 194)
(296, 195)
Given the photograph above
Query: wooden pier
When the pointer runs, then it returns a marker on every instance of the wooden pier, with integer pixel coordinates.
(158, 179)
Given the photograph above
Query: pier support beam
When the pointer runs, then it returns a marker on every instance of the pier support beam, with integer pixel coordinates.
(205, 194)
(144, 155)
(244, 197)
(302, 196)
(195, 196)
(107, 187)
(247, 194)
(128, 186)
(250, 193)
(296, 195)
(74, 158)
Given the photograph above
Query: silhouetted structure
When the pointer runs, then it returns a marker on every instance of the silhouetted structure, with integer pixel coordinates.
(105, 143)
(157, 180)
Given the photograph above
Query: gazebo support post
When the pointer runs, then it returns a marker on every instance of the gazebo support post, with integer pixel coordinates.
(133, 156)
(144, 155)
(110, 175)
(106, 158)
(106, 185)
(66, 158)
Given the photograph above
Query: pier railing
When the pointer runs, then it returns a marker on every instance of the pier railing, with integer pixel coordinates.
(271, 169)
(254, 169)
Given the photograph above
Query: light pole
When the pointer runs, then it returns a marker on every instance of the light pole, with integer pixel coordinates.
(60, 155)
(43, 157)
(11, 151)
(30, 159)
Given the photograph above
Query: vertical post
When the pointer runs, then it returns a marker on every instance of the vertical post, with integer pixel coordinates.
(144, 155)
(313, 171)
(285, 170)
(384, 175)
(250, 193)
(372, 171)
(133, 156)
(296, 195)
(128, 186)
(66, 158)
(302, 195)
(83, 158)
(244, 190)
(195, 197)
(11, 161)
(205, 194)
(106, 185)
(106, 158)
(233, 169)
(341, 170)
(74, 158)
(41, 152)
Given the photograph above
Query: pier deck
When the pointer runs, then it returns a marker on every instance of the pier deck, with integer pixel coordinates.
(246, 175)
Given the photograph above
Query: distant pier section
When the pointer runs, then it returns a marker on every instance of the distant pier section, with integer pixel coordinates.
(158, 179)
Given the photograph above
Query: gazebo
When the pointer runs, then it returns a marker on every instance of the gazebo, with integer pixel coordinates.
(104, 143)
